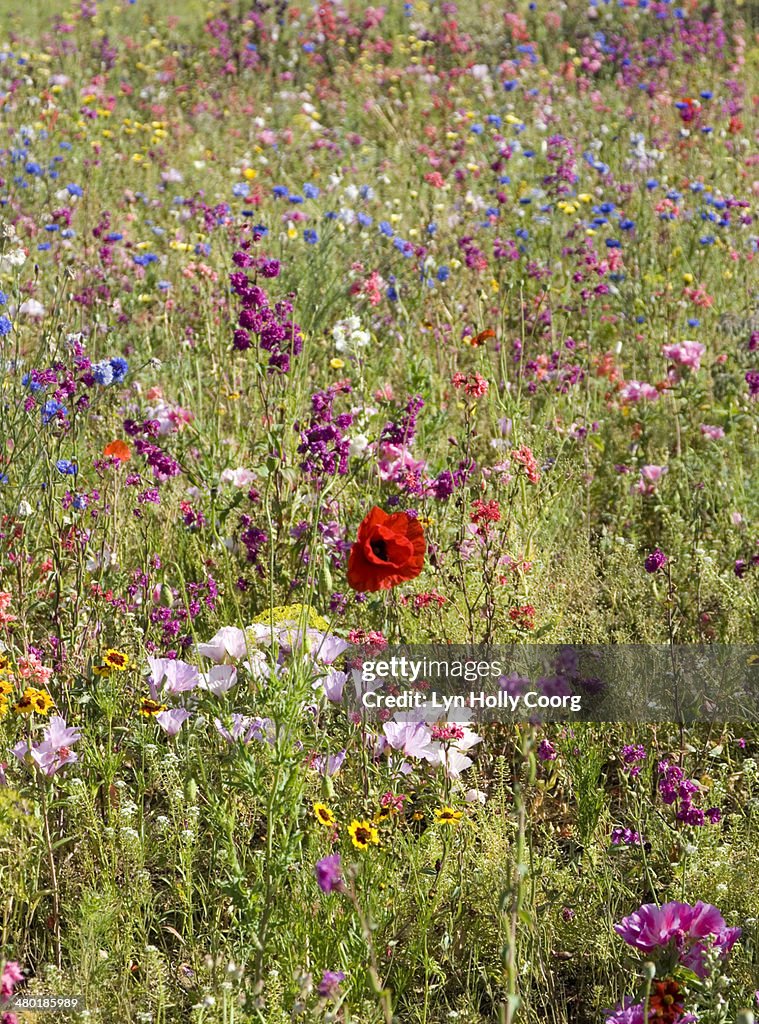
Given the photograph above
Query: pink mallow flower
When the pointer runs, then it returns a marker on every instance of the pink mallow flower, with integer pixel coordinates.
(685, 353)
(691, 930)
(55, 749)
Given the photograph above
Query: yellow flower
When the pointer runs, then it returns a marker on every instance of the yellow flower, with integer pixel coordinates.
(324, 815)
(3, 705)
(42, 702)
(336, 364)
(149, 707)
(32, 700)
(447, 816)
(6, 688)
(101, 670)
(285, 613)
(363, 833)
(116, 660)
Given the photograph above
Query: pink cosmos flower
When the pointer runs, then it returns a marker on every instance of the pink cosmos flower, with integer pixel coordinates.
(691, 929)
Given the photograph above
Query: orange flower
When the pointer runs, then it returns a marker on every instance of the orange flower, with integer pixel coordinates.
(118, 450)
(389, 550)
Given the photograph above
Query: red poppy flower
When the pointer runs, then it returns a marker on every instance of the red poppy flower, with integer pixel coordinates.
(389, 550)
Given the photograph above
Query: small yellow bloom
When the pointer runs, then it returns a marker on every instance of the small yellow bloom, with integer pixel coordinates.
(336, 364)
(116, 660)
(324, 815)
(149, 708)
(6, 688)
(448, 816)
(363, 833)
(33, 701)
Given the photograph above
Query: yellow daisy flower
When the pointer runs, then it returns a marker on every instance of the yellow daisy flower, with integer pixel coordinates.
(363, 833)
(116, 660)
(448, 816)
(324, 815)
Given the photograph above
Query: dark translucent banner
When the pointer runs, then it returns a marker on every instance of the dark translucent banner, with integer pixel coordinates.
(546, 683)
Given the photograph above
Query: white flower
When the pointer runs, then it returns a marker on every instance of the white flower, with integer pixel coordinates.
(237, 477)
(475, 796)
(358, 445)
(32, 308)
(349, 336)
(10, 260)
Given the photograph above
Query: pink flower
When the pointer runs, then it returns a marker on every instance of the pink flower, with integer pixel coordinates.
(688, 928)
(685, 353)
(227, 644)
(652, 474)
(636, 391)
(713, 433)
(172, 721)
(55, 749)
(11, 976)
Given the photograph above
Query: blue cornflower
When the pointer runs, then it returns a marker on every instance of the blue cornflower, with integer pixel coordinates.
(5, 326)
(144, 259)
(75, 190)
(240, 189)
(120, 368)
(385, 228)
(66, 467)
(103, 373)
(80, 502)
(311, 191)
(364, 219)
(443, 273)
(310, 236)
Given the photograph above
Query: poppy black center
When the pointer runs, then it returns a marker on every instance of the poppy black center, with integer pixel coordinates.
(379, 548)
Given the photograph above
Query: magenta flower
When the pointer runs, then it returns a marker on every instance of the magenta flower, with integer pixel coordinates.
(655, 561)
(691, 930)
(11, 976)
(329, 986)
(329, 874)
(627, 1013)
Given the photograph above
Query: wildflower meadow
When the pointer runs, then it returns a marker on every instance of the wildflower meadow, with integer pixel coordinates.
(334, 330)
